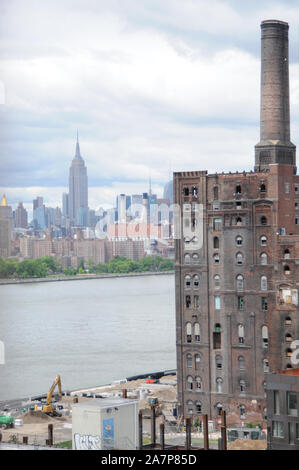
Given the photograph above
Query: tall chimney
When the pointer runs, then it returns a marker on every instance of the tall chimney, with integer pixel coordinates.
(275, 145)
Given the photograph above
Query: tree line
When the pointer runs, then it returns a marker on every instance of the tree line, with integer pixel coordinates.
(49, 266)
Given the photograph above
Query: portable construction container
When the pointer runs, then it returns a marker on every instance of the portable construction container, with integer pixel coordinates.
(105, 424)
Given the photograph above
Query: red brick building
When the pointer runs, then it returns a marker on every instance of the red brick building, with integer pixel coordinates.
(237, 262)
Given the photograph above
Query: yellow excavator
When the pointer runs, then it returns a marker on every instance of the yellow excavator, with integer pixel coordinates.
(48, 408)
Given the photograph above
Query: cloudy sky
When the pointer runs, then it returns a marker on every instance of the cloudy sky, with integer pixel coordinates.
(152, 85)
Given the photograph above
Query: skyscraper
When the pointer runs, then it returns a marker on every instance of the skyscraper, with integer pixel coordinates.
(5, 228)
(78, 190)
(237, 262)
(21, 218)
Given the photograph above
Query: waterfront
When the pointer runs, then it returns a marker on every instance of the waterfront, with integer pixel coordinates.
(90, 333)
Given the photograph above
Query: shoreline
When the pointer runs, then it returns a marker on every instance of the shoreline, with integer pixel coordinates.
(80, 277)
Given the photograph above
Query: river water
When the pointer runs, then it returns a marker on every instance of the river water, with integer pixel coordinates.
(91, 332)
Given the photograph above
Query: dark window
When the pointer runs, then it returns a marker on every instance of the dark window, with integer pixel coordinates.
(238, 189)
(188, 301)
(216, 340)
(264, 220)
(216, 242)
(194, 191)
(263, 188)
(264, 303)
(240, 302)
(186, 191)
(215, 193)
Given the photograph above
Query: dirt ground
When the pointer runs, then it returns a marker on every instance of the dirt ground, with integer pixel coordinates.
(247, 444)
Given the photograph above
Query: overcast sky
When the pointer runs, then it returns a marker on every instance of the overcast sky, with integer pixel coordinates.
(152, 85)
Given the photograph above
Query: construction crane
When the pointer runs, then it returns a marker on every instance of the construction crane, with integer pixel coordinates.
(48, 408)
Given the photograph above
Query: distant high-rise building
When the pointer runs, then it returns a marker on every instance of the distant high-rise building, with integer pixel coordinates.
(5, 228)
(65, 205)
(21, 217)
(78, 190)
(38, 202)
(168, 191)
(123, 203)
(39, 214)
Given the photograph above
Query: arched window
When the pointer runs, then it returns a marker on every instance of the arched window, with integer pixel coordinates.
(266, 365)
(238, 189)
(263, 240)
(240, 282)
(195, 258)
(215, 193)
(187, 259)
(263, 220)
(196, 301)
(264, 283)
(241, 334)
(286, 269)
(288, 321)
(242, 412)
(239, 240)
(219, 383)
(241, 363)
(189, 382)
(196, 332)
(289, 352)
(216, 281)
(288, 338)
(264, 258)
(263, 188)
(198, 383)
(239, 221)
(286, 253)
(216, 242)
(219, 408)
(195, 281)
(216, 258)
(242, 384)
(239, 258)
(190, 406)
(189, 332)
(217, 336)
(218, 360)
(197, 361)
(265, 336)
(187, 281)
(198, 407)
(189, 360)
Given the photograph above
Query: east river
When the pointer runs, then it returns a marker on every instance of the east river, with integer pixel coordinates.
(91, 332)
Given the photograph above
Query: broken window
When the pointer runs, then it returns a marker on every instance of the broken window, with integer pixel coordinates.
(198, 383)
(288, 295)
(217, 336)
(239, 221)
(266, 365)
(195, 281)
(265, 336)
(241, 334)
(239, 258)
(197, 332)
(263, 220)
(288, 321)
(264, 303)
(240, 302)
(189, 382)
(238, 189)
(188, 301)
(216, 258)
(288, 338)
(186, 191)
(263, 240)
(263, 188)
(187, 281)
(242, 412)
(286, 270)
(218, 362)
(239, 240)
(289, 352)
(198, 407)
(242, 386)
(286, 253)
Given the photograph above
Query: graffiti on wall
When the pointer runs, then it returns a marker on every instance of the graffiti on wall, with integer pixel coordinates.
(86, 442)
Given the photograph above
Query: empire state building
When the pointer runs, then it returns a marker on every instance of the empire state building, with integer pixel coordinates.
(78, 190)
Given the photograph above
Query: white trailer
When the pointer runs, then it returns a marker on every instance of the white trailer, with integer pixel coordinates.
(105, 424)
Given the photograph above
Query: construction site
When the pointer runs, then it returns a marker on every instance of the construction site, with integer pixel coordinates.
(46, 422)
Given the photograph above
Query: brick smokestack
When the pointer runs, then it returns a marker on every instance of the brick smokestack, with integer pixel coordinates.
(275, 145)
